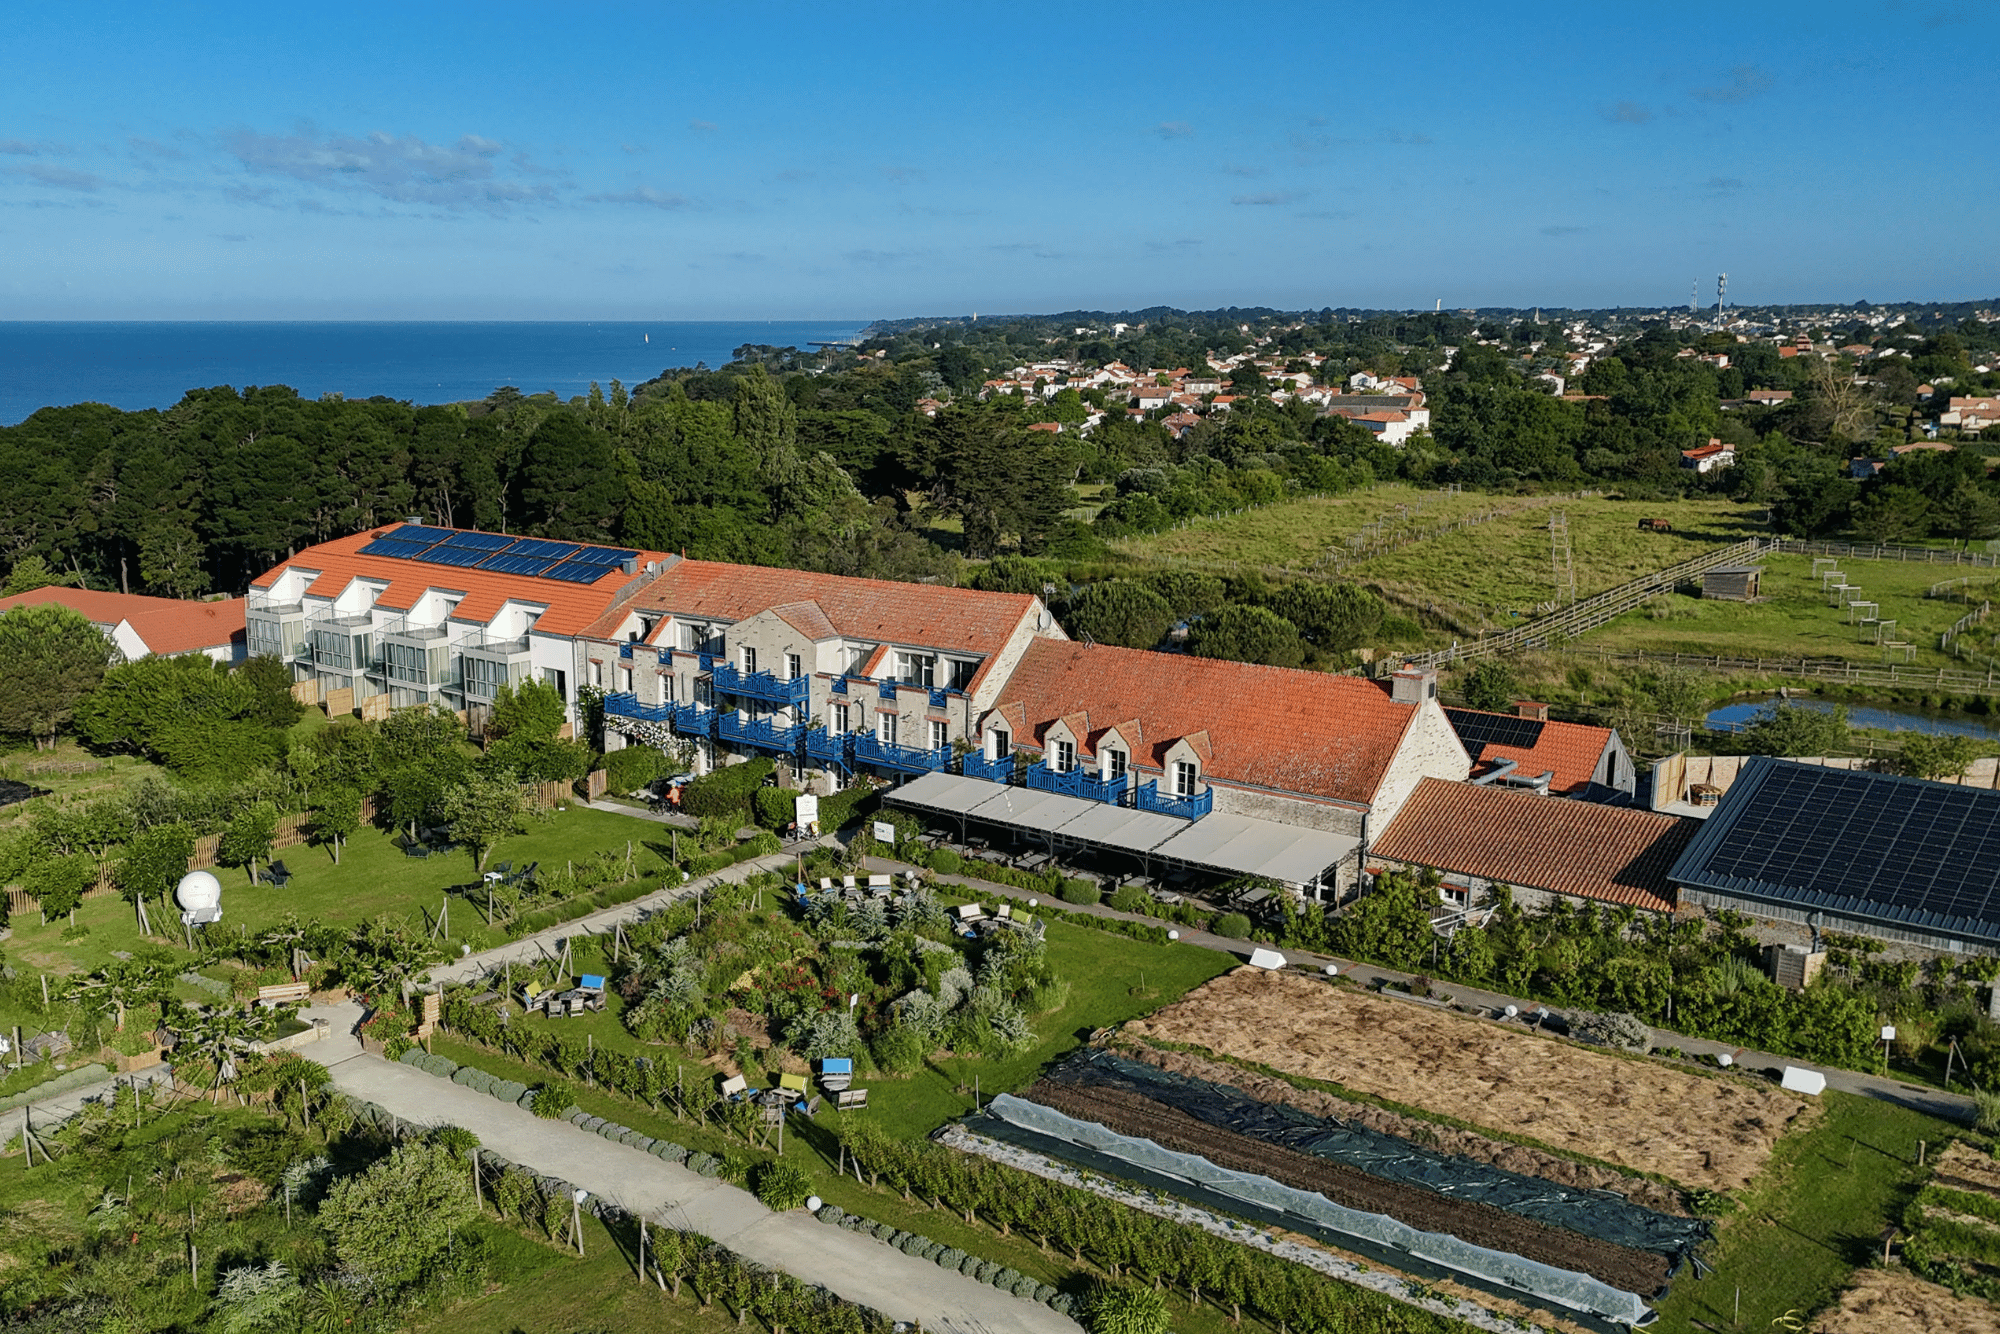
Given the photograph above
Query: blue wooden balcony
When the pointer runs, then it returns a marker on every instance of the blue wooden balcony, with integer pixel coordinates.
(830, 747)
(624, 704)
(868, 750)
(1148, 798)
(1078, 783)
(763, 733)
(694, 719)
(993, 771)
(760, 685)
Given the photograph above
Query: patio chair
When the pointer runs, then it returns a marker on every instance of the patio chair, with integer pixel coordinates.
(279, 875)
(418, 850)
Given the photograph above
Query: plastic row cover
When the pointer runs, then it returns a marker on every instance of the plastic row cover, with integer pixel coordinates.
(1494, 1270)
(1597, 1214)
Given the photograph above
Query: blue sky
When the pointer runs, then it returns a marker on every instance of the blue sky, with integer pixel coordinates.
(861, 160)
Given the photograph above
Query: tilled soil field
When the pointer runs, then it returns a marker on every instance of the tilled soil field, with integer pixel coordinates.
(1481, 1224)
(1963, 1167)
(1521, 1158)
(1892, 1301)
(1696, 1130)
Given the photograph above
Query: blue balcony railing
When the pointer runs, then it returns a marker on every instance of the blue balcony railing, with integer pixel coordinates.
(868, 750)
(1078, 783)
(886, 690)
(1187, 808)
(839, 686)
(993, 771)
(830, 747)
(763, 733)
(760, 685)
(694, 719)
(938, 694)
(624, 704)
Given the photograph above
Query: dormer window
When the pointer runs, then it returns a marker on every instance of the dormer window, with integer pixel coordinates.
(1114, 763)
(1063, 755)
(794, 667)
(916, 669)
(1185, 777)
(749, 660)
(999, 745)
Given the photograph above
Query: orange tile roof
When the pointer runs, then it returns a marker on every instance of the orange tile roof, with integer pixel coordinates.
(1571, 751)
(570, 607)
(960, 620)
(1609, 853)
(166, 625)
(1296, 731)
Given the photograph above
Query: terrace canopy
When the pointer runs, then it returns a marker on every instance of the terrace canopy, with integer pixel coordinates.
(1234, 844)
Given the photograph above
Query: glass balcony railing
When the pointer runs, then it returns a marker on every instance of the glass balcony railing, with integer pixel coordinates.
(993, 771)
(910, 759)
(1079, 783)
(763, 733)
(1148, 798)
(766, 686)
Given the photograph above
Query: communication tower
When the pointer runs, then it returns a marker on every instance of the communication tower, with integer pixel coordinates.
(1721, 291)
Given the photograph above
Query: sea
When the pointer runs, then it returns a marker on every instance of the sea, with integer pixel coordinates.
(150, 364)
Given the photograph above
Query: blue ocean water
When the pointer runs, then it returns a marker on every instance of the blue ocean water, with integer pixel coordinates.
(151, 364)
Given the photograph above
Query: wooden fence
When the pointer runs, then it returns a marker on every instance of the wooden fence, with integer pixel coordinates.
(1553, 630)
(1813, 669)
(1883, 551)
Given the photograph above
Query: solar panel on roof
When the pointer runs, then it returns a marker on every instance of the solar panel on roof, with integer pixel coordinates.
(537, 546)
(571, 572)
(481, 541)
(513, 562)
(442, 555)
(1475, 728)
(602, 556)
(1898, 848)
(417, 532)
(389, 546)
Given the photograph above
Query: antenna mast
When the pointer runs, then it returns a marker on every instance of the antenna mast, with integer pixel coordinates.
(1721, 290)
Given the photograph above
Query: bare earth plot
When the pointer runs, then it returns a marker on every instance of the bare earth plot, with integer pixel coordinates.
(1714, 1133)
(1892, 1301)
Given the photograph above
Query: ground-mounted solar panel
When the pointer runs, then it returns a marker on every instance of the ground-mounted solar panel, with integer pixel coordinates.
(571, 572)
(1477, 729)
(481, 541)
(513, 562)
(417, 532)
(389, 546)
(442, 555)
(539, 546)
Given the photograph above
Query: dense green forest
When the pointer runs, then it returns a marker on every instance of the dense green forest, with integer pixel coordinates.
(824, 460)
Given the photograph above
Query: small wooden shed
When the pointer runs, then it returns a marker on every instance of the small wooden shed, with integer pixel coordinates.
(1732, 583)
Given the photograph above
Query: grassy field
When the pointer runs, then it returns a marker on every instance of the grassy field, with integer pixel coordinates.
(1814, 1217)
(1299, 532)
(108, 778)
(1794, 619)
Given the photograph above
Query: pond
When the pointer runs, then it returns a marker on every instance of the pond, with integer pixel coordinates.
(1736, 717)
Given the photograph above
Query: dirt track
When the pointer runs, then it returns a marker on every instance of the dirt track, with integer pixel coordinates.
(1520, 1158)
(1892, 1301)
(1696, 1130)
(1481, 1224)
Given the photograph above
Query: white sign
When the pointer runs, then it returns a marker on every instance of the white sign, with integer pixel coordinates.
(1263, 958)
(1803, 1081)
(1888, 1032)
(884, 832)
(805, 809)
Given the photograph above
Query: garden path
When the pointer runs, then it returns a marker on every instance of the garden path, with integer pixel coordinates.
(856, 1267)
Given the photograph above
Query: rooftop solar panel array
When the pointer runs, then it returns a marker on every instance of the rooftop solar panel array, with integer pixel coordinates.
(535, 557)
(1479, 730)
(1900, 849)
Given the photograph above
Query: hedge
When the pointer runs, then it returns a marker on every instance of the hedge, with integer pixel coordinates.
(1080, 892)
(835, 811)
(763, 845)
(727, 789)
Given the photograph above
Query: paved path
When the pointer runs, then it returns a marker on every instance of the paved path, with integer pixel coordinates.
(1934, 1102)
(856, 1267)
(64, 1105)
(674, 818)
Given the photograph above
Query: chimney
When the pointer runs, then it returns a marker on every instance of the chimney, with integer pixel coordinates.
(630, 565)
(1414, 685)
(1528, 708)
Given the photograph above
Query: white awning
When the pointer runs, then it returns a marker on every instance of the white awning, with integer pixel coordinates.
(1121, 827)
(950, 793)
(1026, 808)
(1289, 853)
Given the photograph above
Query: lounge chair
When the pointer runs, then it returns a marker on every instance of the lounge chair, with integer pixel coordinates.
(418, 850)
(279, 875)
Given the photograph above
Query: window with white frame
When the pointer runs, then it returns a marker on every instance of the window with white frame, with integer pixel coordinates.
(1185, 776)
(625, 679)
(998, 744)
(885, 728)
(1064, 753)
(667, 688)
(917, 669)
(596, 673)
(1114, 762)
(693, 637)
(962, 672)
(841, 720)
(940, 734)
(793, 667)
(749, 660)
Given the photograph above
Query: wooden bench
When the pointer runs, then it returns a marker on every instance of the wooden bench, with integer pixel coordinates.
(848, 1100)
(284, 993)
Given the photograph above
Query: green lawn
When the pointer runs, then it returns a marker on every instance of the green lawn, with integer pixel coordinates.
(1299, 532)
(120, 775)
(1794, 619)
(1815, 1215)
